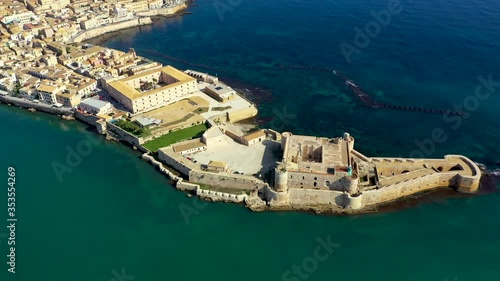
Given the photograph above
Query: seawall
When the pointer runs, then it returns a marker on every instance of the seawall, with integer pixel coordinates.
(38, 106)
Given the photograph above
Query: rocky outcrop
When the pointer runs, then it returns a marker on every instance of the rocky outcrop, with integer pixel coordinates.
(67, 117)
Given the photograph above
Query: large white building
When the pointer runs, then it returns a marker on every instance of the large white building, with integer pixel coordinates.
(152, 89)
(95, 106)
(27, 17)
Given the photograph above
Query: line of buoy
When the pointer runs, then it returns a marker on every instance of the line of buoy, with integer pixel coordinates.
(356, 90)
(155, 53)
(365, 98)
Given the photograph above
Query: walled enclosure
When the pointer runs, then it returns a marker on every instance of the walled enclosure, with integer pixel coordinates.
(302, 179)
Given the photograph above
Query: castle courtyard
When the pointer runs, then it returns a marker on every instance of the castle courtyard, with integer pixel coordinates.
(258, 158)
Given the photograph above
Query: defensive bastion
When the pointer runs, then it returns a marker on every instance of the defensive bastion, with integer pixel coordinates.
(329, 175)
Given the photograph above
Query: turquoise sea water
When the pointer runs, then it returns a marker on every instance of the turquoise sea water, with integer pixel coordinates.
(114, 211)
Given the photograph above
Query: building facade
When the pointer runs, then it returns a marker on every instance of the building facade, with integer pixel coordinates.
(152, 89)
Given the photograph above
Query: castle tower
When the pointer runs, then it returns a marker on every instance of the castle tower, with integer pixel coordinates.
(351, 184)
(284, 138)
(349, 139)
(280, 179)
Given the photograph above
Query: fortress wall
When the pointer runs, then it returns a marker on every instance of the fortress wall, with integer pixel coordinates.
(307, 180)
(162, 169)
(467, 184)
(407, 188)
(221, 196)
(181, 185)
(123, 135)
(169, 157)
(272, 195)
(233, 136)
(242, 114)
(361, 156)
(300, 196)
(91, 33)
(275, 135)
(87, 119)
(225, 180)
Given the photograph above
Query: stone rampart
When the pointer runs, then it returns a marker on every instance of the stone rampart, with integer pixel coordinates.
(220, 196)
(312, 197)
(176, 161)
(407, 188)
(160, 166)
(186, 186)
(123, 135)
(467, 183)
(87, 118)
(242, 114)
(223, 180)
(276, 196)
(361, 156)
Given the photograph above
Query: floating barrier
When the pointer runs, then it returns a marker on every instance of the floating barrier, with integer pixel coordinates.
(155, 53)
(359, 93)
(356, 90)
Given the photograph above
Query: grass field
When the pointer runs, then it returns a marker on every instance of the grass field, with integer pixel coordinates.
(170, 138)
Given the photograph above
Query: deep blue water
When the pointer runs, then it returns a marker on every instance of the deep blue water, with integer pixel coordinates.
(115, 211)
(430, 54)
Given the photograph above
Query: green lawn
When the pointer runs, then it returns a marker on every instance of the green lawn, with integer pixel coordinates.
(170, 138)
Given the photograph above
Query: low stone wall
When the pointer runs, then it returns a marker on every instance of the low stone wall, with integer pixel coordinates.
(162, 11)
(86, 118)
(407, 188)
(225, 180)
(179, 163)
(361, 156)
(220, 196)
(468, 184)
(158, 164)
(242, 114)
(274, 134)
(38, 106)
(186, 186)
(91, 33)
(123, 135)
(312, 197)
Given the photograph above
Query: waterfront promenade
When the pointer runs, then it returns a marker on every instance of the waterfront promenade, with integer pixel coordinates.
(36, 105)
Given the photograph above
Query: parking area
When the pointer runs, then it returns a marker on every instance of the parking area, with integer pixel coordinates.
(249, 160)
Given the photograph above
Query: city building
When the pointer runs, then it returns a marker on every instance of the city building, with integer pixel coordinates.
(95, 106)
(220, 91)
(152, 89)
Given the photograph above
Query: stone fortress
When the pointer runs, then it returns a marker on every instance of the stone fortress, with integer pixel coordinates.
(329, 174)
(311, 173)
